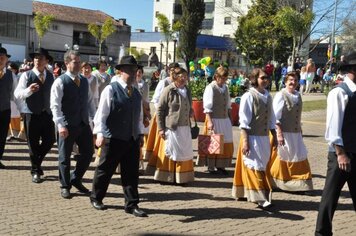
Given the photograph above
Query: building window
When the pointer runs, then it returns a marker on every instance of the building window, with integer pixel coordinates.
(228, 3)
(157, 12)
(153, 50)
(226, 35)
(200, 53)
(177, 9)
(217, 55)
(54, 27)
(12, 25)
(157, 0)
(209, 7)
(239, 1)
(227, 21)
(207, 23)
(83, 39)
(156, 29)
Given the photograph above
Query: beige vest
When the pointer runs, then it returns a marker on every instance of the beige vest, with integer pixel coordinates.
(183, 119)
(261, 115)
(220, 101)
(291, 114)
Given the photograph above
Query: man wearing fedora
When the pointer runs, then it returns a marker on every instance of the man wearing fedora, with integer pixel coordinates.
(341, 136)
(7, 86)
(71, 104)
(116, 124)
(34, 90)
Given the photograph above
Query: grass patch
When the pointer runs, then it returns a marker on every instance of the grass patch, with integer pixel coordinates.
(314, 105)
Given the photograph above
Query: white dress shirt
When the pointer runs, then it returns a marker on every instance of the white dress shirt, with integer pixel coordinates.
(336, 104)
(56, 102)
(22, 91)
(104, 109)
(158, 91)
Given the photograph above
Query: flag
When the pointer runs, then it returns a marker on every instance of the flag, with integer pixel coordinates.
(329, 51)
(336, 50)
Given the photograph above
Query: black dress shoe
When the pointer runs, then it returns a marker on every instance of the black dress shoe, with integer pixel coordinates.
(136, 211)
(78, 185)
(65, 193)
(36, 178)
(222, 171)
(2, 166)
(98, 205)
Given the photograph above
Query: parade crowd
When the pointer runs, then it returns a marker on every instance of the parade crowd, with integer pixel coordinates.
(107, 115)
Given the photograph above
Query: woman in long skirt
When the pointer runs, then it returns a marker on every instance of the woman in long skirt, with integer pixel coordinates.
(251, 180)
(175, 154)
(217, 107)
(290, 168)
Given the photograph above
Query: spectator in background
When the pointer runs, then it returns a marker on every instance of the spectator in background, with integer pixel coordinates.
(57, 70)
(209, 72)
(284, 72)
(327, 80)
(269, 70)
(164, 73)
(277, 76)
(102, 76)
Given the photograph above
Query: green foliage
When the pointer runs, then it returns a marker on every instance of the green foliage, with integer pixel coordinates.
(42, 23)
(191, 22)
(137, 54)
(294, 23)
(102, 32)
(236, 90)
(258, 37)
(197, 88)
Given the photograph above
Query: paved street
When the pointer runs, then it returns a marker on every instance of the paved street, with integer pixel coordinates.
(204, 207)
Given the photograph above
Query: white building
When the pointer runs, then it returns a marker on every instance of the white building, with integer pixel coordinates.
(14, 27)
(220, 15)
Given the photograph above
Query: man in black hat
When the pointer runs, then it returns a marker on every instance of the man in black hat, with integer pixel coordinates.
(116, 125)
(341, 137)
(34, 89)
(7, 86)
(72, 104)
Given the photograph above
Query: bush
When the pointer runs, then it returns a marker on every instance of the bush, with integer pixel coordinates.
(197, 88)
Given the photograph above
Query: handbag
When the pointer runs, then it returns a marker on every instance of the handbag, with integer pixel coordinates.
(209, 144)
(194, 130)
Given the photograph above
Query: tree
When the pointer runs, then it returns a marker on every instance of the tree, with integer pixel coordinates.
(165, 28)
(191, 23)
(349, 35)
(42, 23)
(294, 23)
(258, 37)
(101, 32)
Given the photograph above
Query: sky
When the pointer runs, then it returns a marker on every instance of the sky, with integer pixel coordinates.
(138, 13)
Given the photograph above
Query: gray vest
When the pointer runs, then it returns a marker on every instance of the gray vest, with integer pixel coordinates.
(291, 114)
(183, 119)
(261, 115)
(75, 100)
(40, 100)
(6, 90)
(123, 120)
(220, 101)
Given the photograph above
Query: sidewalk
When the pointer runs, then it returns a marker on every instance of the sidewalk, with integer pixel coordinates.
(204, 207)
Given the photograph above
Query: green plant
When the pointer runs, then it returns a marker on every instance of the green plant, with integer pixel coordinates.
(197, 88)
(236, 90)
(42, 23)
(101, 32)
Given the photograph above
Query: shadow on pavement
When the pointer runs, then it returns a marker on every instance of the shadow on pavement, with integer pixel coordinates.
(198, 214)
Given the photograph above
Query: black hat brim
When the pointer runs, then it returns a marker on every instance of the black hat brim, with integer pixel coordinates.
(33, 54)
(118, 67)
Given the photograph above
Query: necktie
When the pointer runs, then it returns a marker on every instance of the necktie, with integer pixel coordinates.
(41, 77)
(129, 91)
(1, 74)
(77, 81)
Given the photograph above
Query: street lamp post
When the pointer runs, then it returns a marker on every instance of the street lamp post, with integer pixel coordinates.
(174, 49)
(160, 56)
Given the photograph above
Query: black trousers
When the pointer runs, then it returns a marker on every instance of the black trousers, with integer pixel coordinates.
(127, 153)
(4, 127)
(40, 134)
(83, 137)
(335, 180)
